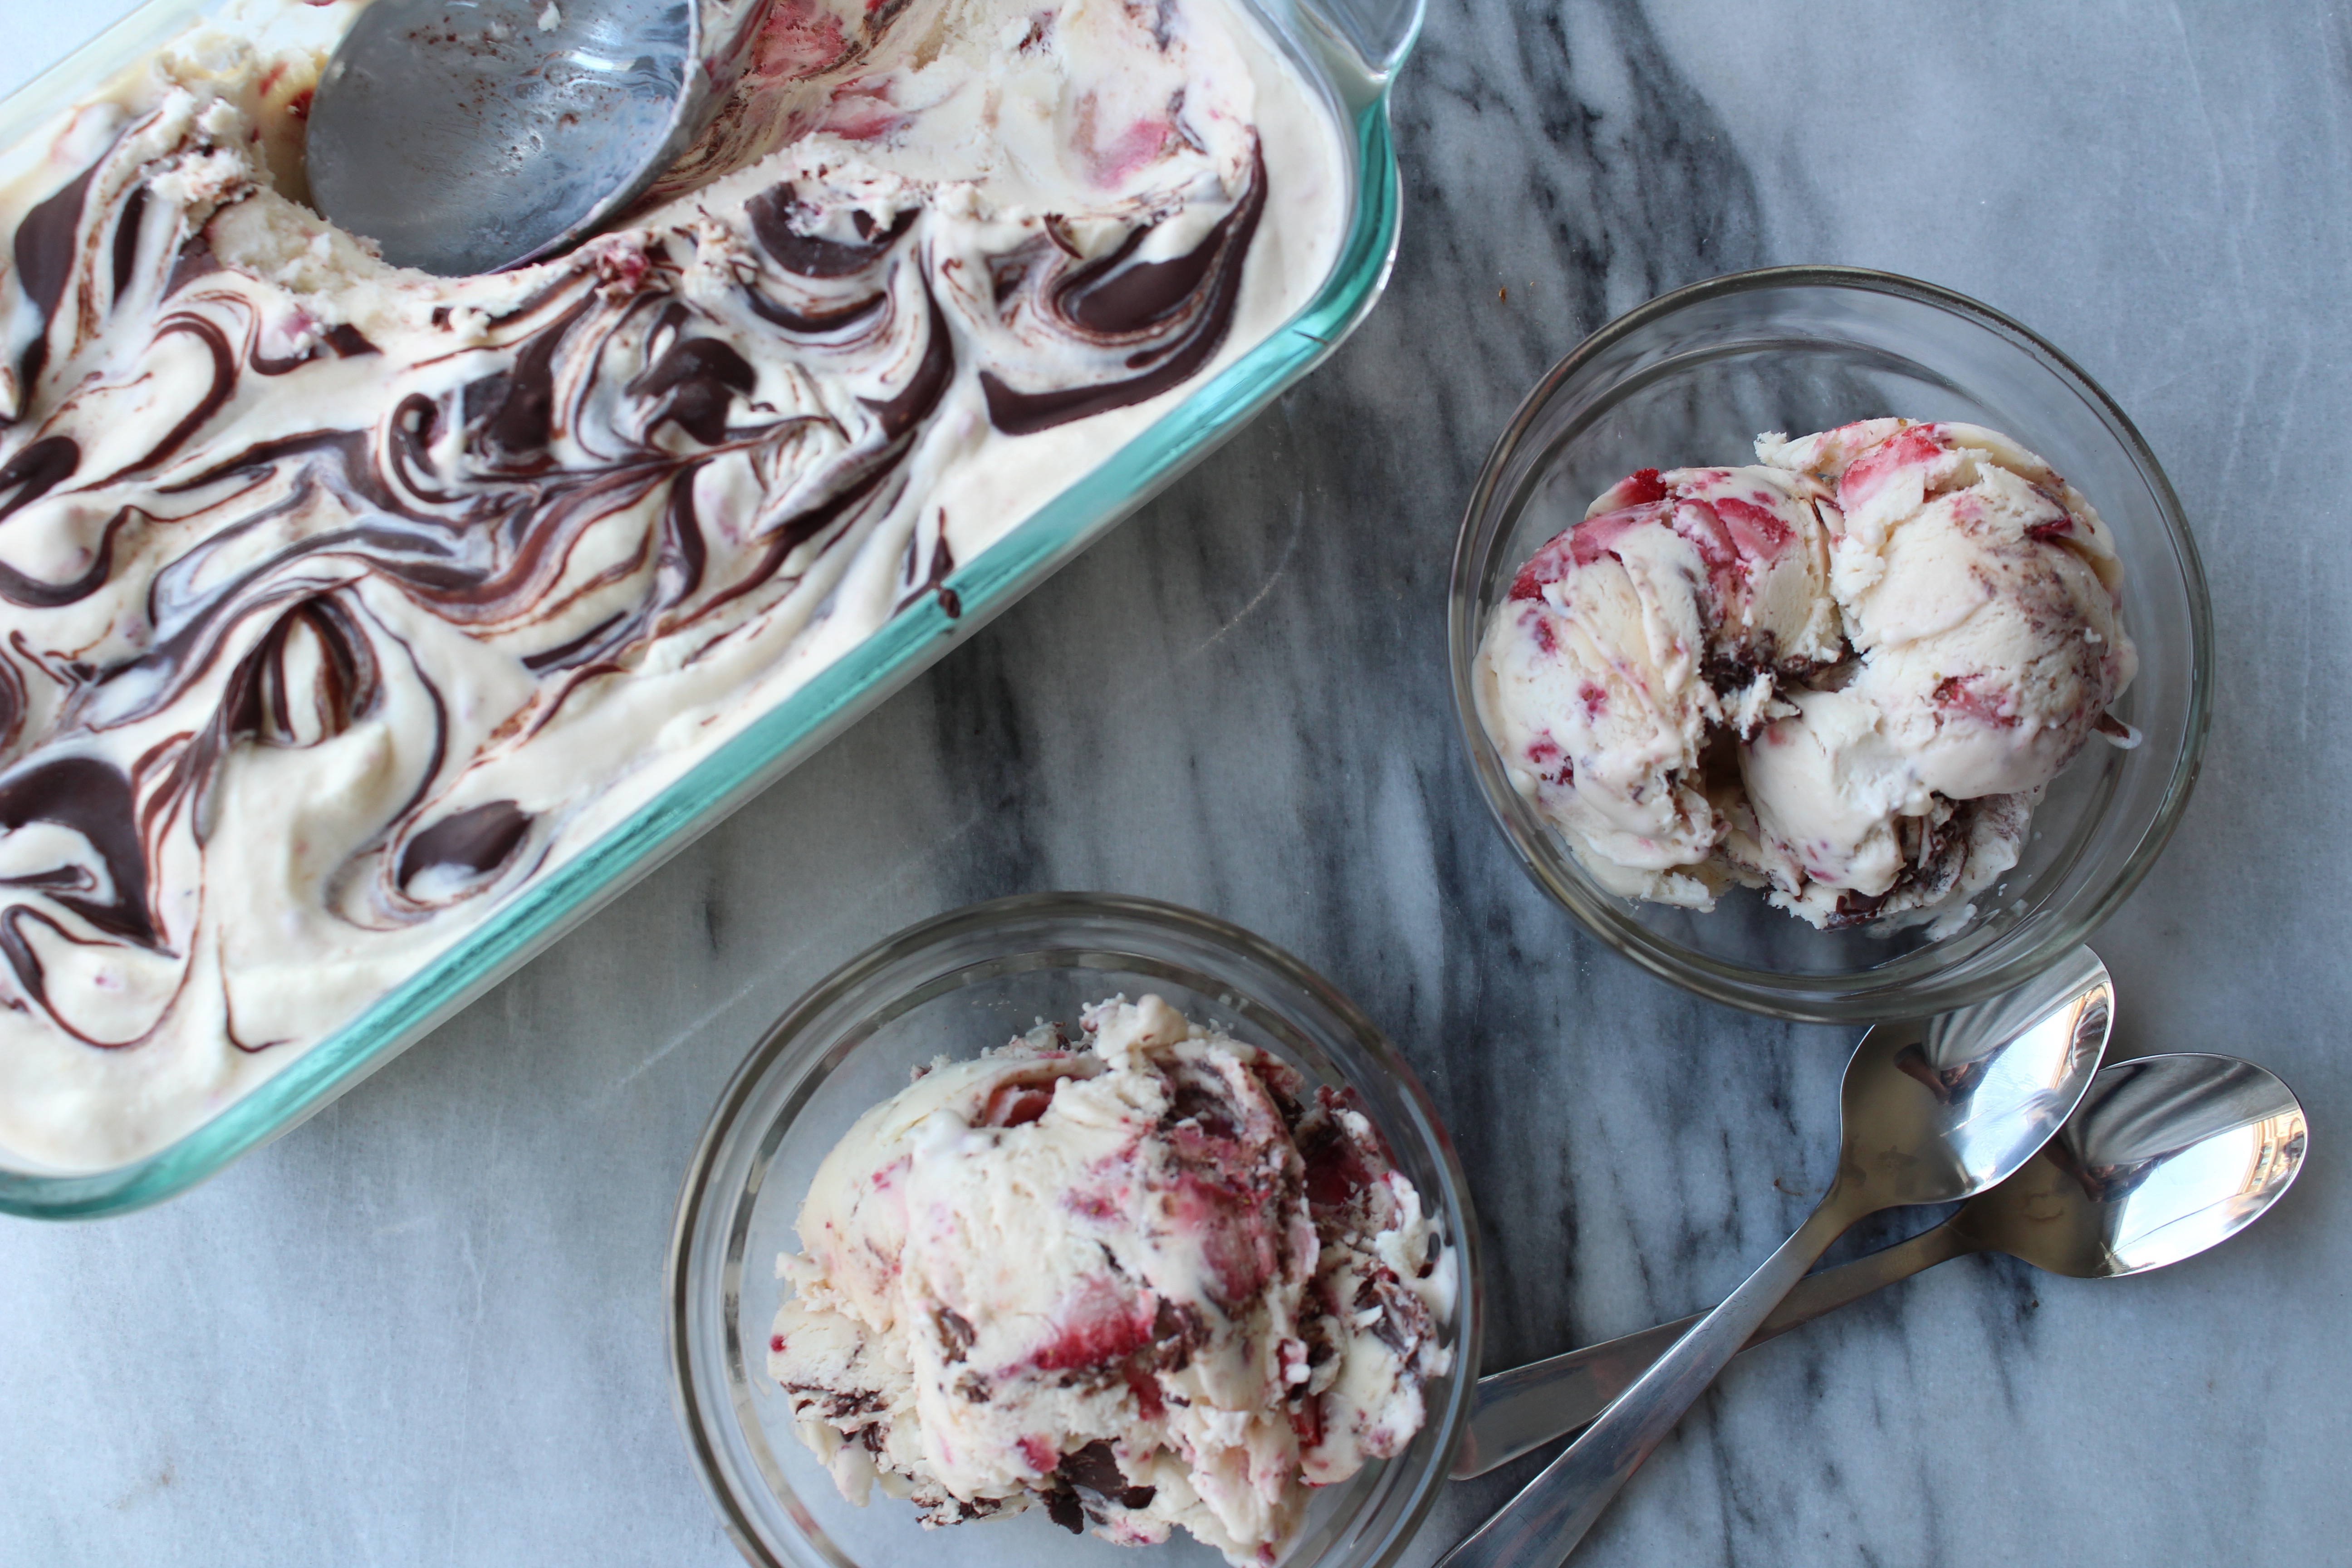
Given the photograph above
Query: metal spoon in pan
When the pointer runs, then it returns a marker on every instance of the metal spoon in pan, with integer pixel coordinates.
(462, 136)
(2166, 1157)
(1933, 1112)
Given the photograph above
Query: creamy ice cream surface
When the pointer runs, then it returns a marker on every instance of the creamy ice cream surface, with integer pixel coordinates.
(1866, 737)
(1678, 605)
(1143, 1280)
(344, 604)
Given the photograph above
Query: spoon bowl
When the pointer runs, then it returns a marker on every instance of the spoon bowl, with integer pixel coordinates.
(2168, 1156)
(464, 136)
(1938, 1108)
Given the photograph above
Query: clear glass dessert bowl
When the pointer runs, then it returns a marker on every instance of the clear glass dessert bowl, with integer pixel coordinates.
(1690, 379)
(954, 986)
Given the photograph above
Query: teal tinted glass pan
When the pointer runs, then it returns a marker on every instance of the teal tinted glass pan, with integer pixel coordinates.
(1349, 50)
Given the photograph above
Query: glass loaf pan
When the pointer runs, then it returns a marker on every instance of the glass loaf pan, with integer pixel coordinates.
(1347, 50)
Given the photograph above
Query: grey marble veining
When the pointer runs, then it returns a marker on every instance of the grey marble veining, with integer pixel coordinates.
(425, 1328)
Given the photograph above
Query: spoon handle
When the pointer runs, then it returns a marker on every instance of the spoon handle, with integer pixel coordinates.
(1539, 1527)
(1528, 1406)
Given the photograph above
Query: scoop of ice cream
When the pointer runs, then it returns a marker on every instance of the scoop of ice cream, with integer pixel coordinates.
(1845, 676)
(1677, 605)
(1756, 562)
(1148, 1282)
(1841, 829)
(1979, 591)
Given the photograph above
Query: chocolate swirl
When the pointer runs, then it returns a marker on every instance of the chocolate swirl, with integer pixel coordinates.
(1158, 322)
(392, 606)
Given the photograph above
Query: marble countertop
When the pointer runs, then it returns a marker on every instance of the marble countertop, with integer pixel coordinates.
(425, 1328)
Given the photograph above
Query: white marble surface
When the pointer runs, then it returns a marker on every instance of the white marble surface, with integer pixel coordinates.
(424, 1328)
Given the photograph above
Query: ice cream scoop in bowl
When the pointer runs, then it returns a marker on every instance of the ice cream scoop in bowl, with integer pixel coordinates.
(1690, 381)
(955, 987)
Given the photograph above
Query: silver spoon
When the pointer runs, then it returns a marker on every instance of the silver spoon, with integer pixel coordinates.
(1933, 1112)
(467, 135)
(2166, 1157)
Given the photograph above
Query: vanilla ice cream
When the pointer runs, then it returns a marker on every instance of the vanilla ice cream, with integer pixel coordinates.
(1679, 605)
(343, 604)
(1142, 1280)
(1955, 641)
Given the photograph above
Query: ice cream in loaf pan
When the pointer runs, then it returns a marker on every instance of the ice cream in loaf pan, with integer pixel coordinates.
(1142, 1280)
(341, 602)
(1845, 675)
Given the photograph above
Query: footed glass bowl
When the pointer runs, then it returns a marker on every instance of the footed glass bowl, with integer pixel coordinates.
(955, 986)
(1690, 379)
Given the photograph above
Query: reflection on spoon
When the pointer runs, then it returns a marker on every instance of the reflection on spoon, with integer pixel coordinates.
(462, 136)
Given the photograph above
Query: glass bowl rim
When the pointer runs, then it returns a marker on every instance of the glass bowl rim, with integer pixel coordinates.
(1832, 998)
(782, 1046)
